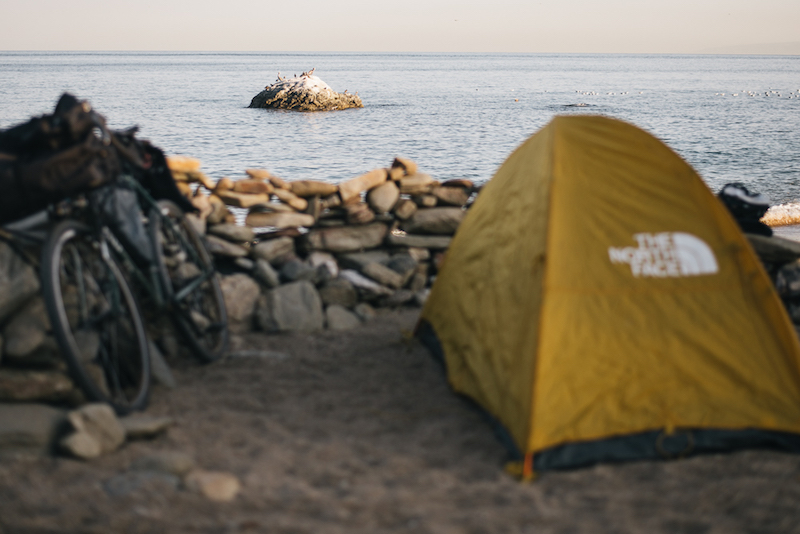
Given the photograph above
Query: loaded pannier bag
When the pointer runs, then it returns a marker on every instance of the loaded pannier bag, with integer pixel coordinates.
(56, 156)
(52, 157)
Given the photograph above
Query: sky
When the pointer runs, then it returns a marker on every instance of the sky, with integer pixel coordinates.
(530, 26)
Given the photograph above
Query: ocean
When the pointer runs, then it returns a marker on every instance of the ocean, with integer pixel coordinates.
(733, 118)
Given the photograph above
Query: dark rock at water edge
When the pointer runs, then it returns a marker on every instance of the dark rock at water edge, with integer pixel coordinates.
(304, 93)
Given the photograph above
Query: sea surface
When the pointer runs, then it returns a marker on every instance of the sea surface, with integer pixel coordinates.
(734, 118)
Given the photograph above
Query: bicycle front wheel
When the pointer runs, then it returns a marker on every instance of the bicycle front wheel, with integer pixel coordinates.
(187, 271)
(95, 318)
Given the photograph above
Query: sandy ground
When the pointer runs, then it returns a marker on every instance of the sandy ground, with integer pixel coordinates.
(358, 432)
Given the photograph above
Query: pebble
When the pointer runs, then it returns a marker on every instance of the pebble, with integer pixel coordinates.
(214, 485)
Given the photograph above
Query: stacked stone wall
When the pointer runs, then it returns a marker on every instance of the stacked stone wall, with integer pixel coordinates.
(306, 255)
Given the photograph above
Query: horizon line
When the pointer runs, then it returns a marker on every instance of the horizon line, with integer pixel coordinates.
(374, 52)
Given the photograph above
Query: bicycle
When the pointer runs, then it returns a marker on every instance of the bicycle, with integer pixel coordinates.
(92, 309)
(105, 251)
(173, 274)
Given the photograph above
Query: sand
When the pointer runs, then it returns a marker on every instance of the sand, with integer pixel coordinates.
(357, 432)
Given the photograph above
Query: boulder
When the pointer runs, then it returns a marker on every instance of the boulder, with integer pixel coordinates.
(459, 182)
(420, 241)
(297, 269)
(440, 221)
(425, 200)
(357, 260)
(404, 209)
(201, 201)
(183, 164)
(18, 281)
(383, 275)
(224, 184)
(346, 239)
(246, 264)
(279, 219)
(23, 385)
(252, 187)
(404, 264)
(29, 429)
(97, 431)
(365, 286)
(312, 188)
(272, 206)
(258, 174)
(419, 254)
(384, 197)
(359, 214)
(241, 200)
(319, 258)
(26, 332)
(222, 247)
(340, 318)
(774, 249)
(332, 201)
(339, 292)
(232, 232)
(219, 211)
(416, 184)
(241, 294)
(278, 183)
(450, 196)
(304, 93)
(314, 208)
(264, 273)
(354, 187)
(290, 199)
(408, 166)
(395, 173)
(272, 249)
(199, 224)
(292, 307)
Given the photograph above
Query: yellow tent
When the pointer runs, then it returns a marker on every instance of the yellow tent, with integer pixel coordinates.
(601, 304)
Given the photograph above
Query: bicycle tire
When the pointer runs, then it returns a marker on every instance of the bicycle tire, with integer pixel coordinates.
(95, 319)
(199, 315)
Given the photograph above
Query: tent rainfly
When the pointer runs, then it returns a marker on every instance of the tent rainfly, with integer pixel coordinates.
(602, 305)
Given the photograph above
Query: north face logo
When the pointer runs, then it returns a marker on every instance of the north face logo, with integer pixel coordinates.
(666, 255)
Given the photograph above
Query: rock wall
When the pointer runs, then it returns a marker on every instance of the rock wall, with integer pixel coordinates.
(307, 255)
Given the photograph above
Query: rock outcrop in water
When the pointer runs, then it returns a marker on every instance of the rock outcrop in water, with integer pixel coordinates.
(304, 93)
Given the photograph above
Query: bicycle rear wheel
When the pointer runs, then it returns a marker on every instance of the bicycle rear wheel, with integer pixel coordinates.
(95, 318)
(193, 289)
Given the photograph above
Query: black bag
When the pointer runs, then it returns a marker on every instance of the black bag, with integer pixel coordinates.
(746, 207)
(55, 156)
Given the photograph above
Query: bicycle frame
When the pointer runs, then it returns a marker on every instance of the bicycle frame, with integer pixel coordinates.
(160, 293)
